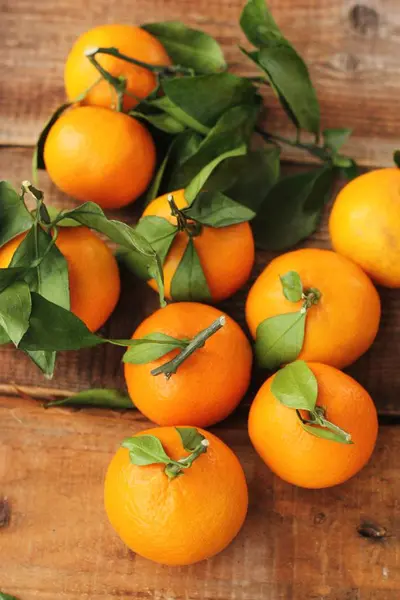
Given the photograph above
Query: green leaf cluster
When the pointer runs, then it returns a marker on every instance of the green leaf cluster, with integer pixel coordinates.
(296, 386)
(147, 450)
(279, 339)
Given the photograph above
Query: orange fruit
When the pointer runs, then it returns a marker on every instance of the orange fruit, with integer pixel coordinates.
(96, 154)
(132, 41)
(208, 385)
(94, 281)
(226, 254)
(365, 224)
(299, 457)
(183, 520)
(344, 323)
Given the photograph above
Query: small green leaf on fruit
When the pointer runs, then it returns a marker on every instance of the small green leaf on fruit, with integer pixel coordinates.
(296, 386)
(14, 216)
(292, 286)
(327, 434)
(280, 339)
(396, 158)
(146, 450)
(191, 438)
(215, 209)
(151, 347)
(189, 281)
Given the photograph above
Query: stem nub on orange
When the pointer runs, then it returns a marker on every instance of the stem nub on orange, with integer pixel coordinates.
(365, 224)
(183, 520)
(133, 41)
(298, 456)
(94, 281)
(208, 385)
(96, 154)
(226, 254)
(344, 322)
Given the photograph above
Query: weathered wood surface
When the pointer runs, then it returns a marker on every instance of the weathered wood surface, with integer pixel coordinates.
(352, 49)
(377, 370)
(295, 545)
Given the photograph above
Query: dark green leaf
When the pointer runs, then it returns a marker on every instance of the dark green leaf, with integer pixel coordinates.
(327, 434)
(38, 160)
(107, 398)
(14, 216)
(44, 359)
(280, 339)
(188, 47)
(334, 139)
(151, 347)
(217, 210)
(54, 328)
(145, 450)
(15, 310)
(10, 275)
(154, 189)
(396, 158)
(163, 121)
(285, 69)
(160, 233)
(191, 438)
(352, 171)
(189, 282)
(292, 286)
(4, 596)
(292, 209)
(296, 386)
(50, 277)
(205, 98)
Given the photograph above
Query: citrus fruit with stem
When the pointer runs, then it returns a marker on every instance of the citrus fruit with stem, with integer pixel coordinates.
(94, 281)
(226, 254)
(170, 519)
(340, 304)
(365, 224)
(99, 155)
(135, 42)
(208, 384)
(298, 456)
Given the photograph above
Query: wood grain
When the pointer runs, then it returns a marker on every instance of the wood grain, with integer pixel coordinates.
(295, 545)
(352, 49)
(101, 367)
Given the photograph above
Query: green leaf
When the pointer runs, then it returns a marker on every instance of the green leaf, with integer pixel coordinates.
(146, 450)
(188, 47)
(205, 98)
(38, 160)
(285, 69)
(54, 328)
(14, 216)
(350, 172)
(4, 596)
(396, 158)
(151, 347)
(170, 108)
(296, 386)
(292, 286)
(217, 210)
(102, 397)
(160, 233)
(50, 277)
(190, 437)
(280, 339)
(163, 121)
(334, 139)
(44, 359)
(292, 209)
(327, 434)
(15, 310)
(11, 274)
(189, 282)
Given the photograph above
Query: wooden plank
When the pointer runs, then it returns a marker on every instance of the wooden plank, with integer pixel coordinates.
(351, 49)
(296, 544)
(377, 370)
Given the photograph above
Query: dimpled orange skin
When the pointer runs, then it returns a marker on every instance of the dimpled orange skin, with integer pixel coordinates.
(182, 521)
(96, 154)
(226, 254)
(344, 323)
(208, 385)
(301, 458)
(94, 280)
(133, 41)
(365, 224)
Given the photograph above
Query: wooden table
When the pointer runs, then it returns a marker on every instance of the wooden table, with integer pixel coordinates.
(55, 542)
